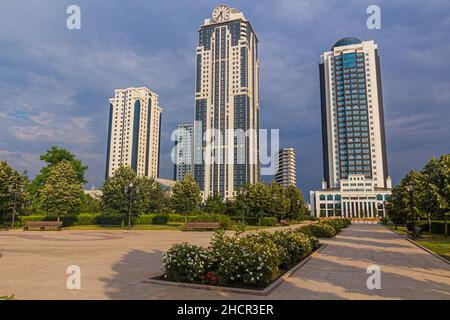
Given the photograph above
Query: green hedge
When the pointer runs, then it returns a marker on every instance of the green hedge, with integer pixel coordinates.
(268, 221)
(225, 221)
(319, 230)
(250, 221)
(437, 226)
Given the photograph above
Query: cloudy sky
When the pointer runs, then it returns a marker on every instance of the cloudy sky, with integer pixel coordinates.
(55, 83)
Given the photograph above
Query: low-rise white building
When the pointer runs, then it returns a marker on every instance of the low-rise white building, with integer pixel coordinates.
(357, 197)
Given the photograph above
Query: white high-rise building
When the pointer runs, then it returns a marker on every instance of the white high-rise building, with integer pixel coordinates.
(285, 168)
(356, 181)
(183, 150)
(226, 123)
(134, 131)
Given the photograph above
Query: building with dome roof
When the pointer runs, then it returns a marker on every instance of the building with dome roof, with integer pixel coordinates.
(355, 170)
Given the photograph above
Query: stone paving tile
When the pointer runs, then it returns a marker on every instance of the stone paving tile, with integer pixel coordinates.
(113, 264)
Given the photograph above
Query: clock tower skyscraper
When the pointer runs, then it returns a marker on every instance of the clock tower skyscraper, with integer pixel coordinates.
(226, 121)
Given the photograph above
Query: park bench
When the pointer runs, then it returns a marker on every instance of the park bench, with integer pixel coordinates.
(42, 225)
(202, 225)
(415, 234)
(284, 222)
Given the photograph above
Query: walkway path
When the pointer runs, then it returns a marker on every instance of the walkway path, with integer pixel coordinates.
(113, 263)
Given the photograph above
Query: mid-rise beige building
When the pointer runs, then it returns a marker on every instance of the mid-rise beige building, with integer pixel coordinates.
(286, 173)
(134, 131)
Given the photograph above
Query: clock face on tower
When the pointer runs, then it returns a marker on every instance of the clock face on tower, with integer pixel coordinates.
(221, 13)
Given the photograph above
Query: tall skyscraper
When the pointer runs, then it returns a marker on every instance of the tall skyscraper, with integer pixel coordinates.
(226, 141)
(183, 157)
(286, 174)
(134, 131)
(353, 134)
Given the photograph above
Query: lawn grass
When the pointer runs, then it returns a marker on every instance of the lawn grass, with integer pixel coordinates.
(437, 243)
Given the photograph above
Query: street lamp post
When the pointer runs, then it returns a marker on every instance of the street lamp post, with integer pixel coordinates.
(12, 189)
(129, 192)
(410, 188)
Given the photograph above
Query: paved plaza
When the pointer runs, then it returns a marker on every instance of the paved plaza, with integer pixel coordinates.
(114, 263)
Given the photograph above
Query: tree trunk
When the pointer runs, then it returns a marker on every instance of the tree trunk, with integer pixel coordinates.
(445, 226)
(429, 223)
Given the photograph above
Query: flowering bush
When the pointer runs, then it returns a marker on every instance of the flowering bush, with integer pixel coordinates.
(243, 260)
(252, 260)
(185, 262)
(338, 224)
(297, 245)
(319, 230)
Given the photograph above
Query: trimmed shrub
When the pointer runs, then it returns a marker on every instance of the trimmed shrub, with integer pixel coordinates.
(175, 217)
(437, 226)
(319, 230)
(296, 244)
(185, 262)
(225, 221)
(251, 221)
(110, 219)
(268, 221)
(160, 219)
(144, 219)
(84, 219)
(410, 226)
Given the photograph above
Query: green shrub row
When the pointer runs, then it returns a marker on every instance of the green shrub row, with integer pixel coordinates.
(243, 261)
(98, 219)
(437, 227)
(225, 221)
(326, 228)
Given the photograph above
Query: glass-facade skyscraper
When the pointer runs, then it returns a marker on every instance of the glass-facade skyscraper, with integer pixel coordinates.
(353, 131)
(226, 123)
(355, 169)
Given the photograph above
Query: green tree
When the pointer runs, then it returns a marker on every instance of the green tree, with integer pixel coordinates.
(115, 196)
(399, 208)
(62, 191)
(10, 177)
(90, 204)
(297, 206)
(437, 172)
(215, 204)
(254, 200)
(52, 157)
(153, 198)
(279, 204)
(186, 195)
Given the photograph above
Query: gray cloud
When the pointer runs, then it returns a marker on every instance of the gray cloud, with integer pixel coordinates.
(55, 83)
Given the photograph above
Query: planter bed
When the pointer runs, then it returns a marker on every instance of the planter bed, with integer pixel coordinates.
(236, 288)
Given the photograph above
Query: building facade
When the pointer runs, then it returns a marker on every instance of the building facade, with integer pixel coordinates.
(226, 122)
(134, 132)
(285, 168)
(353, 133)
(182, 153)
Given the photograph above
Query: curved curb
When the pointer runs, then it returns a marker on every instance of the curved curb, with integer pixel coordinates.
(428, 250)
(264, 292)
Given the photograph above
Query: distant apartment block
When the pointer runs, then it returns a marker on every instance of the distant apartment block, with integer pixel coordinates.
(134, 131)
(182, 153)
(286, 174)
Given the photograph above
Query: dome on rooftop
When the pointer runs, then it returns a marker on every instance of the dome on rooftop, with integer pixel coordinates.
(346, 42)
